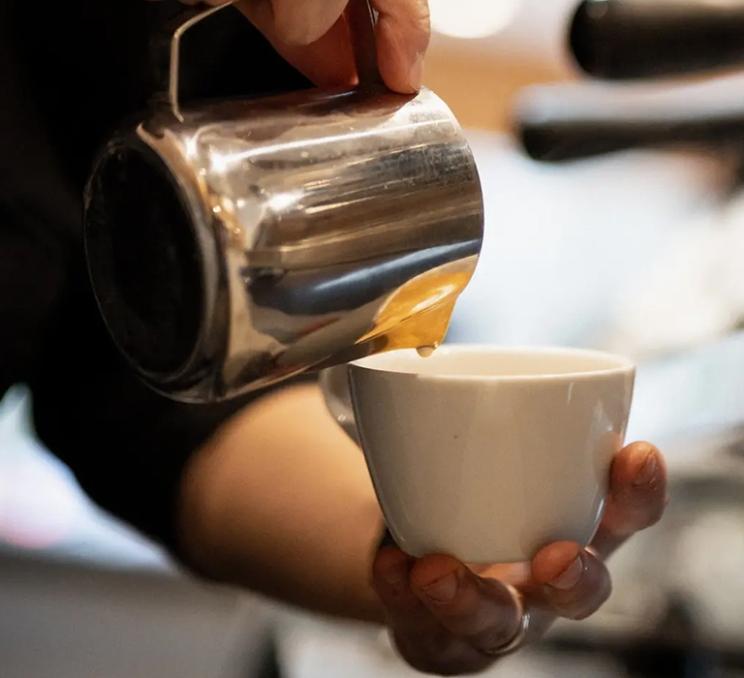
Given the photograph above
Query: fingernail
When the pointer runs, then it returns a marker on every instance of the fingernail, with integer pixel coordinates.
(416, 75)
(442, 590)
(567, 579)
(648, 471)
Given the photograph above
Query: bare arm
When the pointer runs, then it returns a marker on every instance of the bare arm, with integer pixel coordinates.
(280, 501)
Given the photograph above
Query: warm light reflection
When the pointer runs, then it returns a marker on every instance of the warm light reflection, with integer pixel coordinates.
(472, 19)
(191, 147)
(280, 202)
(220, 162)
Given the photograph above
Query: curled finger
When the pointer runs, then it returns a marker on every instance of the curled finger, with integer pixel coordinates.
(419, 637)
(327, 61)
(574, 582)
(637, 495)
(403, 33)
(485, 613)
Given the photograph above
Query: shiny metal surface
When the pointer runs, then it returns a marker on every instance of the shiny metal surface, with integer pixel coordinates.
(328, 225)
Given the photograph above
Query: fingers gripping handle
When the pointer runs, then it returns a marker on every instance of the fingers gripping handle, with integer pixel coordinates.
(360, 16)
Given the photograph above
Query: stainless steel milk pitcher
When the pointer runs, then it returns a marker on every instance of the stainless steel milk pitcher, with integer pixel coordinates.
(232, 244)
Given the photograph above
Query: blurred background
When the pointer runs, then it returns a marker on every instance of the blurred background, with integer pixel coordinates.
(636, 251)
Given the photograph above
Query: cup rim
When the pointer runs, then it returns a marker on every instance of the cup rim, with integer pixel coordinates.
(622, 364)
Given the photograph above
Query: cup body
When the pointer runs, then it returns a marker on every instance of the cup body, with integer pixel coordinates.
(487, 453)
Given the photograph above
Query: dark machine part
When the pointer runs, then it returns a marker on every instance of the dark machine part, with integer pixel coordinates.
(566, 122)
(621, 39)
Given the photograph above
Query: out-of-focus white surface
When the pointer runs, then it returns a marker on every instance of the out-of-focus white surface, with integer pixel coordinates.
(692, 393)
(695, 292)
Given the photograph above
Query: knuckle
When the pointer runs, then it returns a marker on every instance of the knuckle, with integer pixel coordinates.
(421, 15)
(420, 24)
(642, 512)
(460, 618)
(413, 16)
(593, 603)
(489, 623)
(643, 504)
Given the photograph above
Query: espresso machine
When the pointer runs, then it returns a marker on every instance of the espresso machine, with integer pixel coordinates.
(235, 243)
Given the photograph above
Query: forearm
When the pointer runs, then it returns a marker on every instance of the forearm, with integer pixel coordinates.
(280, 501)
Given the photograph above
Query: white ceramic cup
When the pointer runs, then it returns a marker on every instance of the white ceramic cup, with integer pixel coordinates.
(486, 453)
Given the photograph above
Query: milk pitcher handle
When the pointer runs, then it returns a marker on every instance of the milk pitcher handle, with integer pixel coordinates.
(361, 20)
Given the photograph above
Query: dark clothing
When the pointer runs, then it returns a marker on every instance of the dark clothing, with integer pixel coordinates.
(70, 72)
